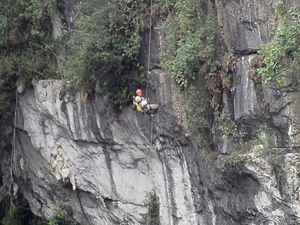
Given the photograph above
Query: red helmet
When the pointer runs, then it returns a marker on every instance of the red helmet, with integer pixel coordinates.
(138, 91)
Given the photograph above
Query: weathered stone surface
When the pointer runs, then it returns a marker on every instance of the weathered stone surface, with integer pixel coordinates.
(249, 24)
(278, 182)
(111, 162)
(259, 104)
(105, 161)
(56, 23)
(247, 111)
(245, 99)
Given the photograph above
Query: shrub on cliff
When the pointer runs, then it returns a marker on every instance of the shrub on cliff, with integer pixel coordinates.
(283, 55)
(104, 50)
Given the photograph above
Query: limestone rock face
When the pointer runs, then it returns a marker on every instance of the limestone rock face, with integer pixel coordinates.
(74, 153)
(103, 167)
(249, 24)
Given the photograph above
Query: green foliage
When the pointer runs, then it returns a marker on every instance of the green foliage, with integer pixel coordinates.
(11, 215)
(236, 158)
(213, 64)
(262, 145)
(274, 153)
(62, 216)
(282, 57)
(281, 10)
(189, 41)
(196, 101)
(153, 209)
(19, 213)
(103, 53)
(195, 106)
(228, 126)
(27, 49)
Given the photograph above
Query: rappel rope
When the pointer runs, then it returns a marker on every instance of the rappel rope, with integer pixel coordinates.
(148, 72)
(149, 51)
(12, 161)
(151, 131)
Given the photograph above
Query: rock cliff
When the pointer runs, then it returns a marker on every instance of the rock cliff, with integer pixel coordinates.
(74, 152)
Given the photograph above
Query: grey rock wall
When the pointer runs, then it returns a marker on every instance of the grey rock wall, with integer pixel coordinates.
(248, 26)
(72, 152)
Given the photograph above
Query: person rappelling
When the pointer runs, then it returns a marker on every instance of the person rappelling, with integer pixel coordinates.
(142, 104)
(139, 102)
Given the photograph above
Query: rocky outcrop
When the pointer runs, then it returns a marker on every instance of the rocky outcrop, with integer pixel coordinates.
(73, 152)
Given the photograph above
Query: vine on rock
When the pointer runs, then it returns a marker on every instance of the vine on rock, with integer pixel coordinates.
(282, 57)
(27, 49)
(104, 51)
(190, 41)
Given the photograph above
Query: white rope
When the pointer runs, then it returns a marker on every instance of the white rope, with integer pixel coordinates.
(12, 163)
(149, 51)
(148, 73)
(152, 129)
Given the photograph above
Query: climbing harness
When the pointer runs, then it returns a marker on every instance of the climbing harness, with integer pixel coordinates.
(149, 55)
(136, 104)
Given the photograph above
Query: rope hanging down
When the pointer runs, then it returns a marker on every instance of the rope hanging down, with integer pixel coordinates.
(149, 51)
(148, 72)
(13, 154)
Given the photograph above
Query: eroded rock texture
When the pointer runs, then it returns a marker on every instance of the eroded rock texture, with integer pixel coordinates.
(71, 151)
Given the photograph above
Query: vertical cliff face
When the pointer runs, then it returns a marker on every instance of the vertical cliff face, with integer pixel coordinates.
(248, 27)
(77, 153)
(105, 166)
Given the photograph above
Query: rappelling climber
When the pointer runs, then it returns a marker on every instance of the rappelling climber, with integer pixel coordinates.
(142, 104)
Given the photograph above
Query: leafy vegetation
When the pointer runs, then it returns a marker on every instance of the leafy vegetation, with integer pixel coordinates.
(190, 41)
(188, 56)
(11, 215)
(104, 47)
(27, 48)
(20, 214)
(228, 126)
(281, 10)
(261, 146)
(236, 158)
(196, 103)
(282, 57)
(62, 216)
(103, 52)
(153, 209)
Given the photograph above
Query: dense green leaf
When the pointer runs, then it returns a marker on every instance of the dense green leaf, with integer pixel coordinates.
(189, 41)
(105, 48)
(282, 56)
